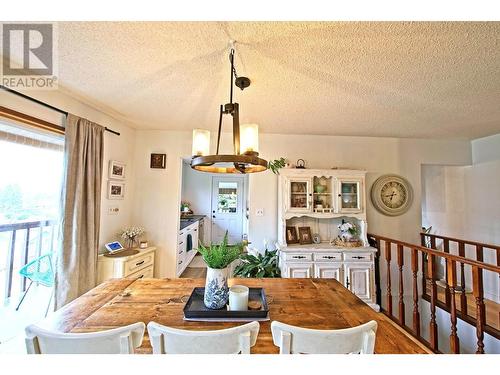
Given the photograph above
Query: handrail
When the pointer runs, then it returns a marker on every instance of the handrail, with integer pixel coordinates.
(457, 258)
(428, 261)
(467, 242)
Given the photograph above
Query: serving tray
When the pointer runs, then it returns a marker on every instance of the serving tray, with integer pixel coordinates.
(195, 309)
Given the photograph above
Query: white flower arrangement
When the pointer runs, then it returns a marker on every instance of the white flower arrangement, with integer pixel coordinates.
(348, 227)
(131, 233)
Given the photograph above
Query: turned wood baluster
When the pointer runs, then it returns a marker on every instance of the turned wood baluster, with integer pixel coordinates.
(416, 314)
(433, 242)
(433, 328)
(401, 292)
(389, 293)
(451, 267)
(477, 291)
(463, 297)
(446, 248)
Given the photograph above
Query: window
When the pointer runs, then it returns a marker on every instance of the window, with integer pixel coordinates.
(227, 201)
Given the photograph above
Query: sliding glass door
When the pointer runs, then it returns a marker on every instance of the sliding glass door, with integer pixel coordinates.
(31, 173)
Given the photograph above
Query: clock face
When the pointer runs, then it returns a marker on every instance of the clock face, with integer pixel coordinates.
(391, 195)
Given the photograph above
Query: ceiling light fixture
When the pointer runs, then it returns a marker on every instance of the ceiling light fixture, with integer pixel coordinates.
(245, 139)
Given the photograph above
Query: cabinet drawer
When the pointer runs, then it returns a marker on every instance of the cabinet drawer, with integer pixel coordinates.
(138, 263)
(358, 257)
(146, 272)
(298, 257)
(327, 257)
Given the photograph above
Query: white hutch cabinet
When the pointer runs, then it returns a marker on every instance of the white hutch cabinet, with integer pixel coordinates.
(321, 199)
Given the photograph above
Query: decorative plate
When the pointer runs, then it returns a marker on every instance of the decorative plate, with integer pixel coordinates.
(392, 195)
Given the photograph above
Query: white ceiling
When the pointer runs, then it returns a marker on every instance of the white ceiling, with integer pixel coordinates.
(401, 79)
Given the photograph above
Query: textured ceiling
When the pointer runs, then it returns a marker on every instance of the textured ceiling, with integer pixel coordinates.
(401, 79)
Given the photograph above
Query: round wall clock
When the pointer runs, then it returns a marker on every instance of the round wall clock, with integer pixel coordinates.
(392, 195)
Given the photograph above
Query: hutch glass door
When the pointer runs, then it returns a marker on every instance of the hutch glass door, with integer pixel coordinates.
(300, 195)
(349, 196)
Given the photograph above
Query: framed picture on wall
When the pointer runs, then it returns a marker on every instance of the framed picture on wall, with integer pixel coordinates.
(116, 190)
(116, 170)
(305, 236)
(291, 235)
(158, 161)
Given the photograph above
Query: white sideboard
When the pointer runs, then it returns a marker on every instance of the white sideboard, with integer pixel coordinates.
(352, 268)
(136, 266)
(321, 199)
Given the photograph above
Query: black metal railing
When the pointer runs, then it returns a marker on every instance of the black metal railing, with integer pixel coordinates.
(19, 244)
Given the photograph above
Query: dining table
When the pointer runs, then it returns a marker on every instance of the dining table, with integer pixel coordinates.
(310, 303)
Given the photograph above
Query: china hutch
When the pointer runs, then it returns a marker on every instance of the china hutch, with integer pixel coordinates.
(323, 199)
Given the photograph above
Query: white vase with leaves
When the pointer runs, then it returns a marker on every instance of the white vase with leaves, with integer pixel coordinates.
(218, 257)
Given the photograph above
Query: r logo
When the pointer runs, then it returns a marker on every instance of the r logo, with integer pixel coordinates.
(27, 49)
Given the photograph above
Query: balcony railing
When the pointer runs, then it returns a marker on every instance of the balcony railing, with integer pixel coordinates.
(421, 262)
(19, 244)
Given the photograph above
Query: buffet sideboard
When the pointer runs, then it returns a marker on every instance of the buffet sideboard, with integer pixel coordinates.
(323, 199)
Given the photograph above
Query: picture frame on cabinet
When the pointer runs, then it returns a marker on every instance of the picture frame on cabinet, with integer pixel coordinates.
(116, 170)
(305, 237)
(116, 190)
(291, 235)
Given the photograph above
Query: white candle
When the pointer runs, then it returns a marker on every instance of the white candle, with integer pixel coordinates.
(238, 298)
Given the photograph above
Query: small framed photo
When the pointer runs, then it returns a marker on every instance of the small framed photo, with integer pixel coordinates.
(116, 190)
(291, 235)
(116, 170)
(158, 161)
(305, 236)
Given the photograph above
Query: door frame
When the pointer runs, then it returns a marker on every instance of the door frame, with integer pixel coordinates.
(244, 201)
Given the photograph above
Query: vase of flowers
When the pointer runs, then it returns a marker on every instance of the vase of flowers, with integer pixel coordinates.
(218, 257)
(131, 235)
(348, 231)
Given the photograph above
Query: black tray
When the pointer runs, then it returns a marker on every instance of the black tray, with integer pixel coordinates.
(196, 309)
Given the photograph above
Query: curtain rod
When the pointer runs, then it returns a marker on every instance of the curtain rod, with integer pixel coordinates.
(46, 105)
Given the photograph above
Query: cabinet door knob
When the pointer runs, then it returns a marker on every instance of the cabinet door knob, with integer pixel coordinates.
(298, 257)
(139, 263)
(358, 257)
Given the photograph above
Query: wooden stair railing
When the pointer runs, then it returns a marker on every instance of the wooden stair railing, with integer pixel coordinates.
(429, 259)
(459, 246)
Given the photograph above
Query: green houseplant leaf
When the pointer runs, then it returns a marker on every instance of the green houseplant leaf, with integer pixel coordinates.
(219, 256)
(258, 266)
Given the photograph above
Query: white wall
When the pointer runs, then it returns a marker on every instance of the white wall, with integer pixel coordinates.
(115, 147)
(464, 202)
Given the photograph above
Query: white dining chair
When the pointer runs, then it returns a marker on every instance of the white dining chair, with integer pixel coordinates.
(122, 340)
(292, 339)
(166, 340)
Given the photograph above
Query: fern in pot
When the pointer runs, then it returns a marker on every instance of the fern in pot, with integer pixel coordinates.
(218, 257)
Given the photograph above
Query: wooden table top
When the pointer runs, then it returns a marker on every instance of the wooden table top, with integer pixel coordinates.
(309, 303)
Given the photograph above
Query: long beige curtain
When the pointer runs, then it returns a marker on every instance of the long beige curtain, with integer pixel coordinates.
(77, 261)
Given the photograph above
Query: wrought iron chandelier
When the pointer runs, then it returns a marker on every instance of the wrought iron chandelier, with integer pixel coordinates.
(245, 139)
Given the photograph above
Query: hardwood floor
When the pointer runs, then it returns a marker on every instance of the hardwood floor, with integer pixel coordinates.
(196, 269)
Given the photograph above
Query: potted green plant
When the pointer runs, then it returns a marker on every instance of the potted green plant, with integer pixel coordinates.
(218, 257)
(260, 265)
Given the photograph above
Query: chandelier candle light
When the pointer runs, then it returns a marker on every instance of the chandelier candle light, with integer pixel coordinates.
(245, 158)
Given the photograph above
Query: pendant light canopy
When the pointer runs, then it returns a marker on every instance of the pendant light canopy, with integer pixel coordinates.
(245, 158)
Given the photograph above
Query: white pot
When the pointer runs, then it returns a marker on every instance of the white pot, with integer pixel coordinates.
(216, 289)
